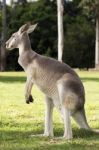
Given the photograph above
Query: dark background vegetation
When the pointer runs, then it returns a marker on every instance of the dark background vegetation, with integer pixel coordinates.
(79, 31)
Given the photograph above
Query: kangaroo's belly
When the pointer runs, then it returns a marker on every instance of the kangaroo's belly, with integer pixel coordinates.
(51, 91)
(48, 89)
(46, 82)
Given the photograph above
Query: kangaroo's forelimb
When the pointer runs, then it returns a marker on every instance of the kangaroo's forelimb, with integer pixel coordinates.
(28, 88)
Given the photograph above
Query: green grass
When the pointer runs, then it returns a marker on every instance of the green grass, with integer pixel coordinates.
(19, 120)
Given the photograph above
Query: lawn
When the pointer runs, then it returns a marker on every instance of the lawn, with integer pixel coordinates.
(19, 120)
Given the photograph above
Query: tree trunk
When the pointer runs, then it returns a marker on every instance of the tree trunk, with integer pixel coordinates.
(60, 29)
(97, 45)
(3, 39)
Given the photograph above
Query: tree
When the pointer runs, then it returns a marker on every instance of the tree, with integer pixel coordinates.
(60, 29)
(79, 31)
(91, 7)
(3, 38)
(44, 38)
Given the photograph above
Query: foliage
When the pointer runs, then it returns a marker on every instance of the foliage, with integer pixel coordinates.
(19, 120)
(79, 31)
(91, 6)
(78, 52)
(79, 37)
(0, 24)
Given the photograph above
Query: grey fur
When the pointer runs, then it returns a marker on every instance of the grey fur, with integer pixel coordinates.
(58, 81)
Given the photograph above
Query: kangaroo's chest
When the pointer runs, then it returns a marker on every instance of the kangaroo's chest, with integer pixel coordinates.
(45, 82)
(43, 79)
(26, 60)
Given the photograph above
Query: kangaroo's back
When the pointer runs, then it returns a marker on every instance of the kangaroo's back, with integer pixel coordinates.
(52, 65)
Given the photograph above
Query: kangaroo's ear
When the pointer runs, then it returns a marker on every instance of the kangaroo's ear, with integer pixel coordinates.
(31, 28)
(24, 28)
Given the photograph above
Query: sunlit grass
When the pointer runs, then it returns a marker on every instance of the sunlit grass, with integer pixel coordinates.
(19, 120)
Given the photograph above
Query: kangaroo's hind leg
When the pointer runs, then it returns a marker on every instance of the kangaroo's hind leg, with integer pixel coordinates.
(48, 131)
(65, 113)
(70, 90)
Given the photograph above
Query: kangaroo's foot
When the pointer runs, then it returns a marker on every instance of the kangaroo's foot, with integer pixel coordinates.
(29, 99)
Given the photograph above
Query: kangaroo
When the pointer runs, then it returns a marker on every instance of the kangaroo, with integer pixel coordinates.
(58, 81)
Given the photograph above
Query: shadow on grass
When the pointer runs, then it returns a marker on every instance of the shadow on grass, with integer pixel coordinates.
(78, 133)
(86, 79)
(21, 140)
(12, 79)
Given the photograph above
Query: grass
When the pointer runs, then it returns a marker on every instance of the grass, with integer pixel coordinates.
(19, 120)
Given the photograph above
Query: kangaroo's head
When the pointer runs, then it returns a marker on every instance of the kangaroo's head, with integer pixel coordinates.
(17, 37)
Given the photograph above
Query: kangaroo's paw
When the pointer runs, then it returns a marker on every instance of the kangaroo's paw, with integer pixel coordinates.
(48, 135)
(67, 136)
(31, 99)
